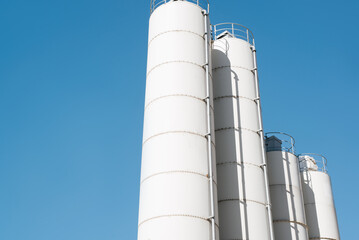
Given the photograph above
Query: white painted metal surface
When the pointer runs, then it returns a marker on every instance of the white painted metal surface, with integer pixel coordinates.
(286, 189)
(240, 156)
(318, 200)
(176, 191)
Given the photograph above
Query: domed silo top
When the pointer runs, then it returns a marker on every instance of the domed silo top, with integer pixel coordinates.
(312, 162)
(204, 4)
(233, 30)
(278, 141)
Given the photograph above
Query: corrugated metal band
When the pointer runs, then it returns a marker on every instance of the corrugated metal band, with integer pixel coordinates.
(236, 129)
(177, 61)
(241, 200)
(289, 221)
(233, 96)
(177, 95)
(176, 215)
(323, 238)
(239, 164)
(176, 132)
(251, 70)
(175, 31)
(178, 171)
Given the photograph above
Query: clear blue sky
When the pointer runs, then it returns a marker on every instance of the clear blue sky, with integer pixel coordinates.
(72, 83)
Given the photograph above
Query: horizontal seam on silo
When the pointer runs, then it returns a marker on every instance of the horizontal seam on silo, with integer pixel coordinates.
(176, 31)
(234, 239)
(323, 238)
(236, 129)
(175, 171)
(289, 185)
(171, 132)
(216, 68)
(175, 95)
(241, 200)
(237, 163)
(175, 215)
(291, 221)
(327, 205)
(233, 96)
(177, 61)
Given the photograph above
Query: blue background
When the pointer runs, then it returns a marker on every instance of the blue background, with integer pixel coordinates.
(72, 84)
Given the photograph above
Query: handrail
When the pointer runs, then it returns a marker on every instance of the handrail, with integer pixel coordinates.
(201, 3)
(236, 30)
(320, 162)
(288, 142)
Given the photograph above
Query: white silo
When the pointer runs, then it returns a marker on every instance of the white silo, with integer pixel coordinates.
(178, 196)
(318, 197)
(288, 211)
(243, 194)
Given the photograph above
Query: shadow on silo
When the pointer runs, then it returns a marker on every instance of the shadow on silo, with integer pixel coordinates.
(233, 144)
(311, 214)
(291, 197)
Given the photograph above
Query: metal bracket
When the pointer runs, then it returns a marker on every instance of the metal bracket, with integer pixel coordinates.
(205, 13)
(206, 98)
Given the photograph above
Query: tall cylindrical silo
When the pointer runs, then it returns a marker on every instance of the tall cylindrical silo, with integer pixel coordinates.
(318, 198)
(288, 211)
(243, 194)
(178, 196)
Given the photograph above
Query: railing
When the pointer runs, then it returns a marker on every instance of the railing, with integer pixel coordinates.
(319, 161)
(287, 142)
(201, 3)
(235, 30)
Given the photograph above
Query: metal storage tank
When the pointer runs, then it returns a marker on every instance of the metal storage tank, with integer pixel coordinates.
(178, 179)
(318, 197)
(243, 194)
(288, 211)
